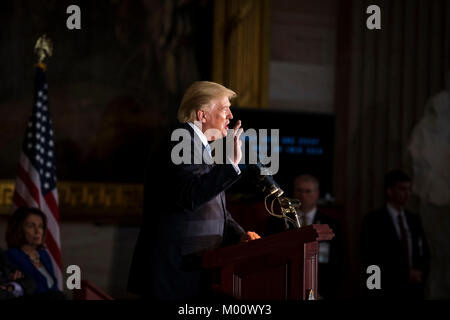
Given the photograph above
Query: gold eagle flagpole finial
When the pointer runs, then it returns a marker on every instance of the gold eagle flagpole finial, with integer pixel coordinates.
(43, 49)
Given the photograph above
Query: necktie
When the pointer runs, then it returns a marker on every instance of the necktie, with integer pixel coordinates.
(403, 238)
(209, 149)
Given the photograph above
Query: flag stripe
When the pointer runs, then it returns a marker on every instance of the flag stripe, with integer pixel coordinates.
(32, 189)
(53, 206)
(28, 168)
(58, 273)
(22, 190)
(53, 248)
(52, 225)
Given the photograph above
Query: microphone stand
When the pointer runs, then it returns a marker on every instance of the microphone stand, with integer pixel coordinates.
(269, 187)
(288, 207)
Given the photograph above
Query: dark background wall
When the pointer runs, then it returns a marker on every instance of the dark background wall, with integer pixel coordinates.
(385, 81)
(115, 83)
(303, 55)
(112, 84)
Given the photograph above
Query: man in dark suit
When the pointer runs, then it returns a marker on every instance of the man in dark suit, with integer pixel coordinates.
(393, 239)
(184, 200)
(13, 283)
(331, 253)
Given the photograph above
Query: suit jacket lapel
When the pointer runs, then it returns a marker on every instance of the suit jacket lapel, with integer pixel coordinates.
(46, 263)
(222, 201)
(28, 265)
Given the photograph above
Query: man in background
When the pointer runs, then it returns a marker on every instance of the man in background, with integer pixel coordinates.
(331, 253)
(393, 239)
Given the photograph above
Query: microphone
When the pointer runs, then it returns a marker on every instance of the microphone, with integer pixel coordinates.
(268, 186)
(265, 183)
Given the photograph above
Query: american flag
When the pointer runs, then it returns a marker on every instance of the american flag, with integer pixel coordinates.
(36, 179)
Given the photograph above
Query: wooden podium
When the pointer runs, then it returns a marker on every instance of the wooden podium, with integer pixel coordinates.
(277, 267)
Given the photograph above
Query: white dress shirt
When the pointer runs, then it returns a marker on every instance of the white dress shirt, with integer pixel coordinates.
(47, 276)
(310, 215)
(205, 143)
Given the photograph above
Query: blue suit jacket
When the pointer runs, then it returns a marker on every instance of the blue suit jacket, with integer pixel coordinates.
(184, 216)
(21, 261)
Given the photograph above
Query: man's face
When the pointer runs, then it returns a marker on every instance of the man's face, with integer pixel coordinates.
(33, 229)
(216, 119)
(400, 193)
(307, 193)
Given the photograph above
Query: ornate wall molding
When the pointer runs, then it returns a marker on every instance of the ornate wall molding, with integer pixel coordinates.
(118, 202)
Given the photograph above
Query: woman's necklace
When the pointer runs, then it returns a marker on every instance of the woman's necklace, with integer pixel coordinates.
(34, 258)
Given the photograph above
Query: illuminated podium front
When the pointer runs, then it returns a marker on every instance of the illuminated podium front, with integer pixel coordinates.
(277, 267)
